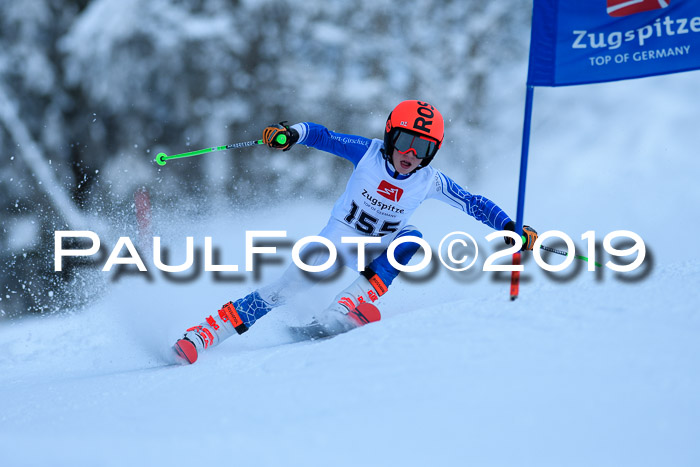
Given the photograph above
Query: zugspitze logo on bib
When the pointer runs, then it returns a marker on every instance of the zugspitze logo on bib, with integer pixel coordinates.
(389, 191)
(630, 7)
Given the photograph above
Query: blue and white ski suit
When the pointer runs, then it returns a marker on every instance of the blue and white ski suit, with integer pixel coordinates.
(377, 202)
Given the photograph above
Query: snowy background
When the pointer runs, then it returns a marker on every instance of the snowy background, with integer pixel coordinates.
(583, 369)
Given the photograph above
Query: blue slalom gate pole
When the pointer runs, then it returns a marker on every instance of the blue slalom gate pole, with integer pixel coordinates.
(524, 153)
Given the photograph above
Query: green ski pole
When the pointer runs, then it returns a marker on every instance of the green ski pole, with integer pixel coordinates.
(564, 253)
(162, 157)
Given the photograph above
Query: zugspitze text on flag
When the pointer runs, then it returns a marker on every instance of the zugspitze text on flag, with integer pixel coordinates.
(578, 42)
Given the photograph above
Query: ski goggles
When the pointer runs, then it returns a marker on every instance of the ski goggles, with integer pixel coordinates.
(421, 147)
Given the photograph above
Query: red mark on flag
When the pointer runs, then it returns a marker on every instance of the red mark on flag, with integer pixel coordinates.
(619, 8)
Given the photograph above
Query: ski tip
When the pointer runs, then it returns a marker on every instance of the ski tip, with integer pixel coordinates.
(186, 350)
(365, 313)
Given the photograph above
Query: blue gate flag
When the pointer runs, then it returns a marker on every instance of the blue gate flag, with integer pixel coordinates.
(592, 41)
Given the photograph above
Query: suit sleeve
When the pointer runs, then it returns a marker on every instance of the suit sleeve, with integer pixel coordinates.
(317, 136)
(477, 206)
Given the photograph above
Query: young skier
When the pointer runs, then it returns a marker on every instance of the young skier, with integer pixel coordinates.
(392, 177)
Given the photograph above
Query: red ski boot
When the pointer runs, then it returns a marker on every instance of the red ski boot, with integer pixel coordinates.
(186, 350)
(365, 313)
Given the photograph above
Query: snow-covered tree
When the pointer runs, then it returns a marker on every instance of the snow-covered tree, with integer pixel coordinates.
(101, 86)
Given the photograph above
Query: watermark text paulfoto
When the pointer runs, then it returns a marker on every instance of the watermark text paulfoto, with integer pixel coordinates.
(457, 251)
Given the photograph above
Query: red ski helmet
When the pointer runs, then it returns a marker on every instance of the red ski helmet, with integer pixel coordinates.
(414, 125)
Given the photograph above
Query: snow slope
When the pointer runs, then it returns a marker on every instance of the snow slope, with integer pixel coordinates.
(587, 371)
(584, 373)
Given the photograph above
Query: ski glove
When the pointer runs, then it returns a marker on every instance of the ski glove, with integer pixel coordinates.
(280, 136)
(529, 236)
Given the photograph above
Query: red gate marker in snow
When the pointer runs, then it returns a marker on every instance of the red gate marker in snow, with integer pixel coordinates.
(515, 278)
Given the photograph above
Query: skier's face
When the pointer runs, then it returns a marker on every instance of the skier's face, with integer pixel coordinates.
(405, 163)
